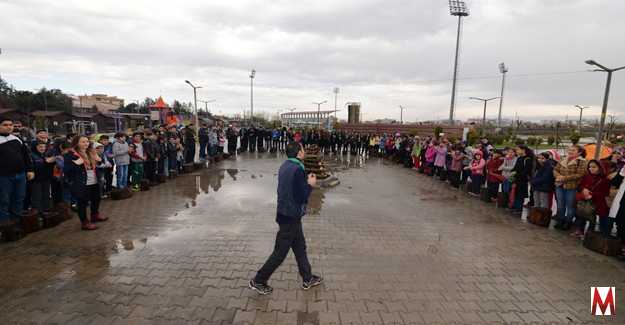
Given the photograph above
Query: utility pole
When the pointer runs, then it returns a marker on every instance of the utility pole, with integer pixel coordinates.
(336, 96)
(206, 104)
(319, 113)
(459, 9)
(485, 100)
(503, 69)
(197, 120)
(252, 75)
(581, 111)
(605, 102)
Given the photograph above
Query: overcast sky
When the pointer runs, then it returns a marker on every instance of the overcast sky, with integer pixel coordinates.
(382, 53)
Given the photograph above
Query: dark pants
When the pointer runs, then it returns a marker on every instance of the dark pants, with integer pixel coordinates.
(12, 192)
(40, 195)
(476, 183)
(149, 167)
(290, 236)
(93, 198)
(108, 180)
(56, 187)
(252, 144)
(203, 146)
(189, 153)
(454, 178)
(493, 189)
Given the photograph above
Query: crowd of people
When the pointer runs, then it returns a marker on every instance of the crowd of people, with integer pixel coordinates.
(584, 190)
(40, 175)
(38, 172)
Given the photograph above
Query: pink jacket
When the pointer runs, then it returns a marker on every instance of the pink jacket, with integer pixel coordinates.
(441, 154)
(477, 168)
(430, 153)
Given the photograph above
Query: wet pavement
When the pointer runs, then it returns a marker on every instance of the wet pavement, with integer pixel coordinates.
(394, 247)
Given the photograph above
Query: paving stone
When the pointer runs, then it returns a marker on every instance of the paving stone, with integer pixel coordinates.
(440, 257)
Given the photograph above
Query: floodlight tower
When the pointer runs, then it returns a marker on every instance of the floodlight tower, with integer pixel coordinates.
(503, 69)
(456, 8)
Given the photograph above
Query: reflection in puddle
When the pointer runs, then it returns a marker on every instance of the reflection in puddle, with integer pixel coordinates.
(315, 202)
(129, 245)
(233, 173)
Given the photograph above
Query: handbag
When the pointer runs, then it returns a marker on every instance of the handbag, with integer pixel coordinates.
(586, 209)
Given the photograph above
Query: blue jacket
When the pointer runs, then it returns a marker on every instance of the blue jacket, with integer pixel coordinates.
(293, 193)
(543, 181)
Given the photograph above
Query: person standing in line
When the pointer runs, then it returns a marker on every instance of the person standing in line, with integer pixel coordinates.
(294, 188)
(122, 160)
(16, 168)
(81, 172)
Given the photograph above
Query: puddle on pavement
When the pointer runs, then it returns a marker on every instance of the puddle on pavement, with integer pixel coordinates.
(210, 195)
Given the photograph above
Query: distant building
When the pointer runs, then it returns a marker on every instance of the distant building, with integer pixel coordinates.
(308, 119)
(104, 103)
(353, 113)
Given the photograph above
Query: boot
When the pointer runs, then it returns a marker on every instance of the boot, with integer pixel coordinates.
(97, 217)
(88, 226)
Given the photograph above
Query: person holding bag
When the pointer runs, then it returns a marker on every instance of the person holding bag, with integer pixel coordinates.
(591, 196)
(80, 171)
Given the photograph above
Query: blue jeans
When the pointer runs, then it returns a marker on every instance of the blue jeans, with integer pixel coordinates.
(12, 194)
(566, 204)
(506, 186)
(122, 176)
(203, 147)
(605, 225)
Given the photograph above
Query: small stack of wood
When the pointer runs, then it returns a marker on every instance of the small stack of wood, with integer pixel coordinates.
(314, 162)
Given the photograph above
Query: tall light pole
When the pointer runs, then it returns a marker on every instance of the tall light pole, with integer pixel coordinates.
(401, 114)
(503, 69)
(604, 109)
(252, 75)
(581, 110)
(197, 120)
(206, 102)
(336, 96)
(319, 113)
(485, 100)
(456, 8)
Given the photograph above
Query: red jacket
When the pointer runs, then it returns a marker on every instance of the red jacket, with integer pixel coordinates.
(492, 170)
(599, 187)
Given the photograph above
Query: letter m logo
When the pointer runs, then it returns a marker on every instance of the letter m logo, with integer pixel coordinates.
(602, 297)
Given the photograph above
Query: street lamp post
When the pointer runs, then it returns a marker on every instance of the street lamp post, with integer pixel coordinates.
(581, 110)
(485, 100)
(459, 9)
(252, 75)
(604, 109)
(319, 113)
(401, 114)
(197, 121)
(336, 96)
(503, 69)
(206, 103)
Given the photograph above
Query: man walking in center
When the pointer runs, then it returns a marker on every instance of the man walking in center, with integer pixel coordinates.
(293, 191)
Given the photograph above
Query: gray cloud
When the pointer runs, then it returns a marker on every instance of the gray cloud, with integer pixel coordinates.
(381, 53)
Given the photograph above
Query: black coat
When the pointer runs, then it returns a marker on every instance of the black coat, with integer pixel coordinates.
(544, 181)
(76, 176)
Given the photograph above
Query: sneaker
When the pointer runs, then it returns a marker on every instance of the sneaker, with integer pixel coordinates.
(97, 217)
(261, 288)
(89, 226)
(314, 281)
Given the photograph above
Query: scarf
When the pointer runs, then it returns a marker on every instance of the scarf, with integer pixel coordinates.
(298, 162)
